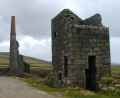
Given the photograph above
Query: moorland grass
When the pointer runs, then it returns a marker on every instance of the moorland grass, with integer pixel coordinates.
(67, 92)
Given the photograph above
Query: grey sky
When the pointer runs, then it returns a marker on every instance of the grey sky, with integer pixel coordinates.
(33, 19)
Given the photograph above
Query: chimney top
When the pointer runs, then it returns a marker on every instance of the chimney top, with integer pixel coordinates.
(13, 24)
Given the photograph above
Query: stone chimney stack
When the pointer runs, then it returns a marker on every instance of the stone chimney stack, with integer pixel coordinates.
(13, 25)
(13, 47)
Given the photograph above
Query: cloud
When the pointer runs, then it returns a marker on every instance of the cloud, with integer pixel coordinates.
(4, 28)
(38, 48)
(42, 48)
(33, 19)
(31, 47)
(34, 16)
(4, 46)
(115, 48)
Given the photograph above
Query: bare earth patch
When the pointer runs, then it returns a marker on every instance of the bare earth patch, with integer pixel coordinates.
(14, 88)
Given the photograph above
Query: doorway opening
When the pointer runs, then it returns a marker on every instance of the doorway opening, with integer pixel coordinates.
(65, 66)
(60, 76)
(91, 73)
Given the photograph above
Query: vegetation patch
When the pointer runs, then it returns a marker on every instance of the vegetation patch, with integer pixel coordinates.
(115, 69)
(67, 92)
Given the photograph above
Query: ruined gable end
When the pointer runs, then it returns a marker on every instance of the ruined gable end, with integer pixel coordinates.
(95, 20)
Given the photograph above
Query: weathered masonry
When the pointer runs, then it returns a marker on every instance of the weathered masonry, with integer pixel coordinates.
(80, 50)
(17, 64)
(14, 52)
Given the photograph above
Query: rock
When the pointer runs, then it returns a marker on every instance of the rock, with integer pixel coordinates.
(117, 85)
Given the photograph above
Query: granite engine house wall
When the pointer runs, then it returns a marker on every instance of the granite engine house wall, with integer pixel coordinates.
(74, 41)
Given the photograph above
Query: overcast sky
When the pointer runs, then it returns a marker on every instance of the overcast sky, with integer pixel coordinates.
(33, 19)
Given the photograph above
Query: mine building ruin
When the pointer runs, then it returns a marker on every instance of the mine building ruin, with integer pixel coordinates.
(17, 65)
(80, 50)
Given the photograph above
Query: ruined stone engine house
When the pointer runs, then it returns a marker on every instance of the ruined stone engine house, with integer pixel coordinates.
(80, 50)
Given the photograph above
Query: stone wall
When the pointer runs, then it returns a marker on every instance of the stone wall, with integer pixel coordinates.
(76, 39)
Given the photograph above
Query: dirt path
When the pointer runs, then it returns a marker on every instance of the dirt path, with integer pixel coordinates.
(14, 88)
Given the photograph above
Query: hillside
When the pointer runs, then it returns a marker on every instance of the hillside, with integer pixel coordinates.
(35, 63)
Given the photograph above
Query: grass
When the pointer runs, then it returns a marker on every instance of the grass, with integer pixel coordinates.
(41, 66)
(95, 96)
(36, 83)
(116, 69)
(37, 65)
(4, 61)
(65, 92)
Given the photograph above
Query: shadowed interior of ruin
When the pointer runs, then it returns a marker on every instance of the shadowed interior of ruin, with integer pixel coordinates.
(65, 66)
(91, 73)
